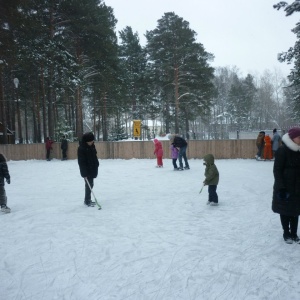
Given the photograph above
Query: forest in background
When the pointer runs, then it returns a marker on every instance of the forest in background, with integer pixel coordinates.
(64, 70)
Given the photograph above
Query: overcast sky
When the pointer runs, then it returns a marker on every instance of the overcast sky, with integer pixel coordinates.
(246, 34)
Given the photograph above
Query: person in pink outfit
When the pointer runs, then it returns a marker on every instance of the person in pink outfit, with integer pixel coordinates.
(158, 151)
(174, 155)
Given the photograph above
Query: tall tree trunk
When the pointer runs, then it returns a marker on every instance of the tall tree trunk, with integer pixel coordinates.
(3, 108)
(104, 119)
(79, 117)
(176, 87)
(43, 98)
(20, 136)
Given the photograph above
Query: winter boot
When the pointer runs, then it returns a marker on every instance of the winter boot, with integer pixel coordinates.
(89, 203)
(5, 209)
(288, 238)
(295, 238)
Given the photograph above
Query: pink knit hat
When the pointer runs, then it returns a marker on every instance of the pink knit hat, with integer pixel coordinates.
(294, 132)
(155, 141)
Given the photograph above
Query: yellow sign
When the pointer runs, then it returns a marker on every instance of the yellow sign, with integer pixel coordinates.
(137, 128)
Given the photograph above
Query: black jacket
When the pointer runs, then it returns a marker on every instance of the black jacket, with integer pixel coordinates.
(87, 160)
(64, 144)
(3, 170)
(179, 142)
(286, 189)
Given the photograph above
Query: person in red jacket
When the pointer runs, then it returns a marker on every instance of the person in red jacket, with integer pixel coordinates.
(158, 151)
(49, 143)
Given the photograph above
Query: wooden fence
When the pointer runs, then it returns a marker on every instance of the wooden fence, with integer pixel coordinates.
(221, 149)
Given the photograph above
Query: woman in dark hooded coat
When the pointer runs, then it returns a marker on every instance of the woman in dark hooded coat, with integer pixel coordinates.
(286, 190)
(88, 164)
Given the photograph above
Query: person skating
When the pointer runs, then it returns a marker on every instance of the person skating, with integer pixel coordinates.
(64, 147)
(286, 188)
(174, 156)
(182, 145)
(158, 152)
(267, 147)
(4, 174)
(88, 164)
(260, 145)
(276, 141)
(48, 145)
(211, 179)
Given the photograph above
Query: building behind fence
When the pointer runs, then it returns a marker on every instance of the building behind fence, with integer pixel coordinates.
(221, 149)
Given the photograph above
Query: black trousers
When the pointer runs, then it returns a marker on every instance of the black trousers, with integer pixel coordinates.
(289, 224)
(3, 198)
(64, 153)
(48, 154)
(212, 194)
(87, 197)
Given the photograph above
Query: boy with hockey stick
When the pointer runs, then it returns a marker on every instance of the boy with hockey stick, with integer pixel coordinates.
(211, 179)
(4, 173)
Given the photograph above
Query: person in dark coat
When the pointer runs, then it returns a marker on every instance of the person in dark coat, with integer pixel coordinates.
(88, 164)
(4, 174)
(276, 141)
(64, 147)
(260, 144)
(286, 189)
(181, 144)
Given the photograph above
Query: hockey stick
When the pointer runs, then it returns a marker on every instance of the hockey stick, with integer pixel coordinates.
(201, 188)
(93, 194)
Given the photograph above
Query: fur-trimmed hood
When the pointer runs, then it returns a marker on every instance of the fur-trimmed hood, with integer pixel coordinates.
(289, 143)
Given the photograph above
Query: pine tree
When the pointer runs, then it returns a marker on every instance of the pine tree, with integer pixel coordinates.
(180, 70)
(293, 56)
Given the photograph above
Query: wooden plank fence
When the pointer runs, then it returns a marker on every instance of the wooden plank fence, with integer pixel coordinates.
(221, 149)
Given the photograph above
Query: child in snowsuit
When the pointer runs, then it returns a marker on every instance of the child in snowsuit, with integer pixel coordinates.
(211, 179)
(158, 151)
(268, 148)
(88, 164)
(4, 173)
(174, 155)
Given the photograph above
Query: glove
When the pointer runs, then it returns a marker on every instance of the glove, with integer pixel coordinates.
(8, 181)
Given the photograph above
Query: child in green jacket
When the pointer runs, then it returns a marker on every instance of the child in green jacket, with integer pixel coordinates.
(211, 179)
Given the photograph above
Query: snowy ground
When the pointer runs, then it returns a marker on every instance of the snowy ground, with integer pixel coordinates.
(155, 237)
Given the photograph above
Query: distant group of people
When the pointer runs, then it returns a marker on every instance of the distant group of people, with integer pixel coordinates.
(178, 149)
(63, 147)
(267, 146)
